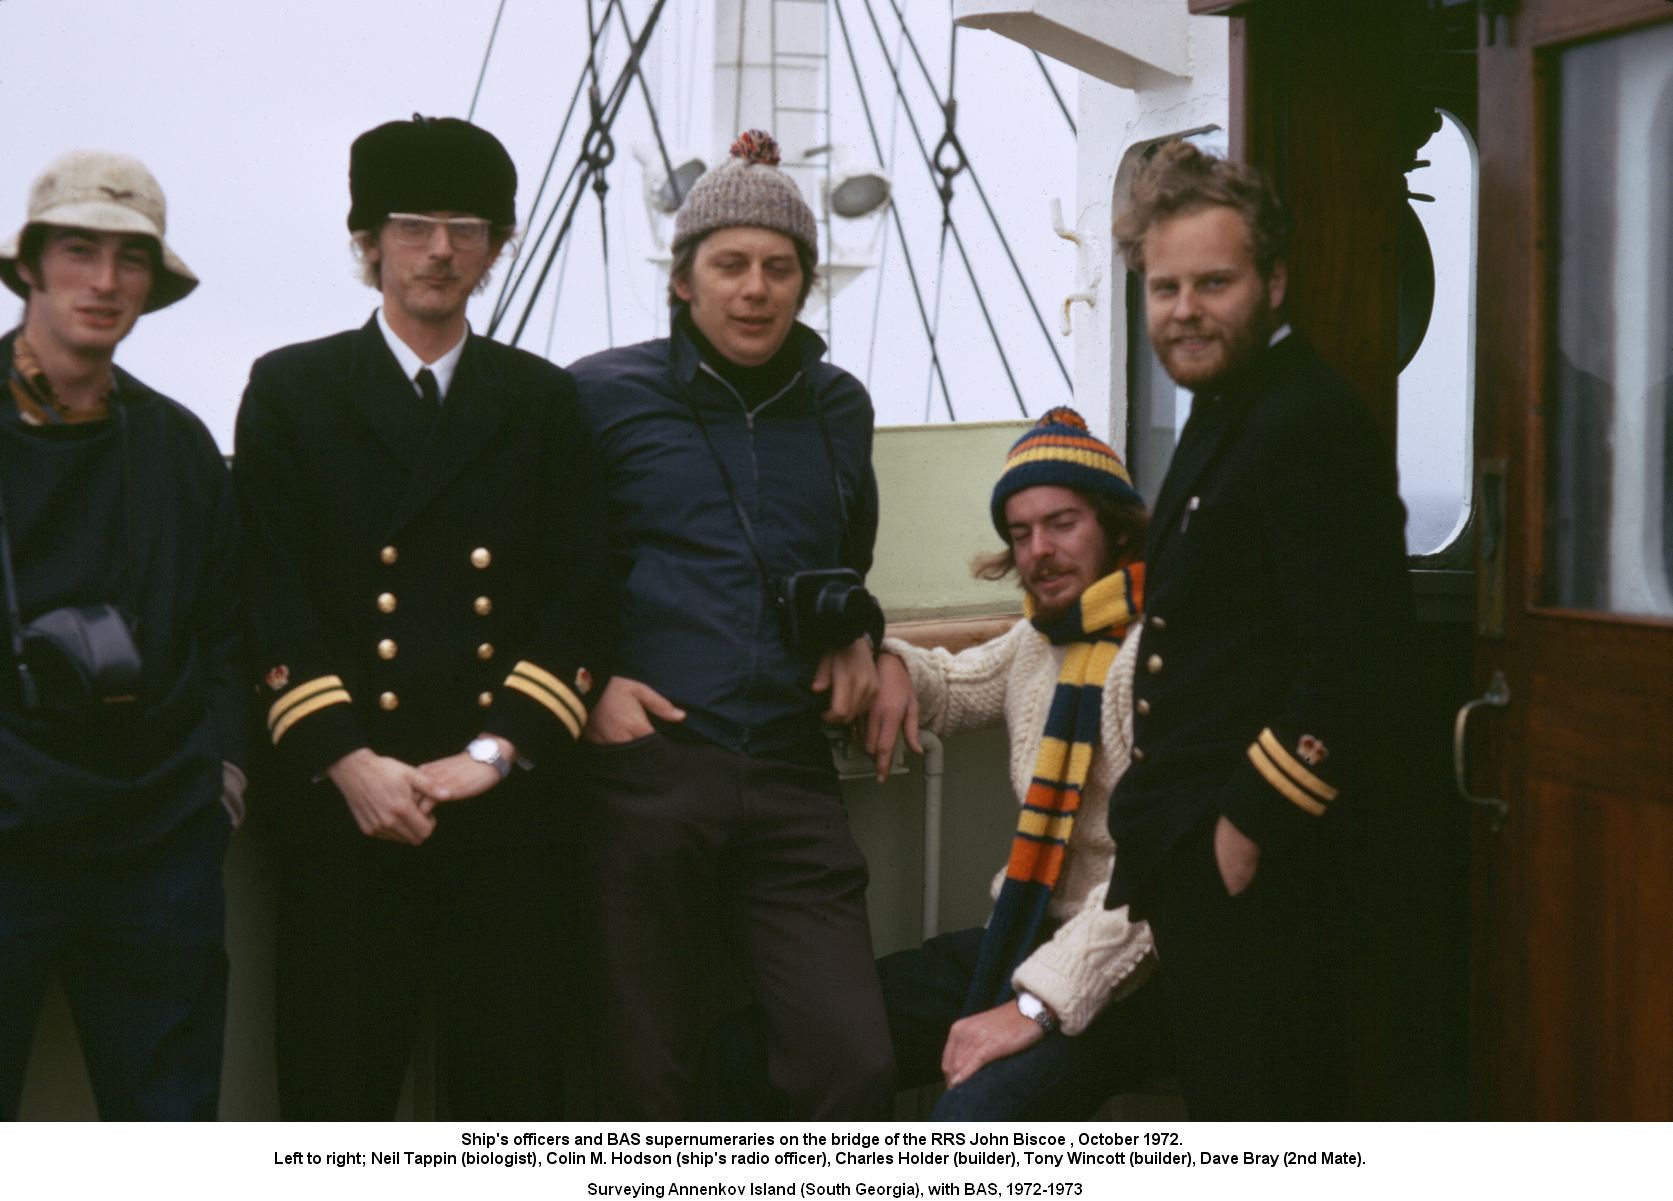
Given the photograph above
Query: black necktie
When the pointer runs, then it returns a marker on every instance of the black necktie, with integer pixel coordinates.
(427, 388)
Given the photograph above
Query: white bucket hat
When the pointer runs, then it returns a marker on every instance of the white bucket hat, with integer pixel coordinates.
(105, 193)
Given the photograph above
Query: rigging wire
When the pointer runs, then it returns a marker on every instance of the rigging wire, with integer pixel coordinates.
(514, 281)
(975, 180)
(888, 166)
(958, 240)
(830, 232)
(935, 326)
(486, 54)
(557, 297)
(575, 178)
(689, 89)
(1055, 94)
(949, 141)
(599, 158)
(507, 285)
(905, 249)
(611, 108)
(738, 92)
(656, 124)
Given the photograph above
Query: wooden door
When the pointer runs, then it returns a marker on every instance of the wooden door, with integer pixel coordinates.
(1572, 896)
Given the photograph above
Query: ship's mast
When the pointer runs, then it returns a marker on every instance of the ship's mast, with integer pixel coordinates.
(772, 72)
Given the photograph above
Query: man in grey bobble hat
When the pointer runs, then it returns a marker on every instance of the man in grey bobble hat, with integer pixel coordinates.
(121, 703)
(738, 468)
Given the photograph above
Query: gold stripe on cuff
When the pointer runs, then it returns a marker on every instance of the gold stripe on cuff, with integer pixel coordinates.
(1281, 782)
(299, 694)
(1294, 768)
(553, 685)
(536, 692)
(335, 696)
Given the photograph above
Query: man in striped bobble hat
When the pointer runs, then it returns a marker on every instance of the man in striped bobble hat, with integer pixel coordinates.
(737, 465)
(1044, 1012)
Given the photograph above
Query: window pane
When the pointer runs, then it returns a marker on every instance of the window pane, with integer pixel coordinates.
(1609, 453)
(1437, 388)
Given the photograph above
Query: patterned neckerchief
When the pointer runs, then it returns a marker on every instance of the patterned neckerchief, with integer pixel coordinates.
(37, 401)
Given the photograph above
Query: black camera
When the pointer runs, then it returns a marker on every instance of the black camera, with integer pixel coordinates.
(79, 662)
(827, 609)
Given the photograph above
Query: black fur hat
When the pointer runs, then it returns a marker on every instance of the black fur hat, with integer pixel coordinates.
(427, 165)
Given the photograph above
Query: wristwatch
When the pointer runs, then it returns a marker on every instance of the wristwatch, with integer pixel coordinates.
(1036, 1011)
(487, 750)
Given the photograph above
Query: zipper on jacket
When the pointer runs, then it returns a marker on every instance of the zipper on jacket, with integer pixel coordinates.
(755, 476)
(749, 413)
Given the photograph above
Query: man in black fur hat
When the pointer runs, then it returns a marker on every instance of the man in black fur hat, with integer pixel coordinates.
(425, 558)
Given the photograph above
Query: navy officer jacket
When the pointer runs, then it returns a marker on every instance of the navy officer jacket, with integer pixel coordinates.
(1276, 603)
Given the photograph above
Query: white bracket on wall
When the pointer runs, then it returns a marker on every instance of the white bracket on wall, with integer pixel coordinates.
(1088, 295)
(1130, 43)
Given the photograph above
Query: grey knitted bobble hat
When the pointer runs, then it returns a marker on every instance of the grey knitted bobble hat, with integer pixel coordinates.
(747, 189)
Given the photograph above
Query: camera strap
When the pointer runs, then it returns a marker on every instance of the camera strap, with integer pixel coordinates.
(30, 693)
(14, 620)
(732, 494)
(731, 489)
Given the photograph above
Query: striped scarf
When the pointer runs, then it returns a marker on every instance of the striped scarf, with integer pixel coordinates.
(1092, 629)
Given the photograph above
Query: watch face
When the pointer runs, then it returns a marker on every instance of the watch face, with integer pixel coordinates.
(483, 750)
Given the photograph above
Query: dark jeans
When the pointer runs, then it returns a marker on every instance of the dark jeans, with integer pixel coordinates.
(368, 929)
(1059, 1078)
(1257, 985)
(688, 842)
(137, 939)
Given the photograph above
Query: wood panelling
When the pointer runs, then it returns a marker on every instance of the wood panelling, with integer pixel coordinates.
(1572, 901)
(1560, 24)
(1576, 1025)
(1323, 95)
(1590, 698)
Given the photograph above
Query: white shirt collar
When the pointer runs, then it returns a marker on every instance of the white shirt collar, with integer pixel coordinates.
(443, 368)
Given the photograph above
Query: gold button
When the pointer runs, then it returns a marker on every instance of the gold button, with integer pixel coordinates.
(1153, 664)
(386, 602)
(388, 555)
(1143, 707)
(1138, 755)
(386, 649)
(483, 606)
(1156, 623)
(480, 557)
(388, 701)
(485, 699)
(485, 651)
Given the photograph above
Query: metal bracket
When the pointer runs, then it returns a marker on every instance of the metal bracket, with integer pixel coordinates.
(1087, 295)
(1497, 696)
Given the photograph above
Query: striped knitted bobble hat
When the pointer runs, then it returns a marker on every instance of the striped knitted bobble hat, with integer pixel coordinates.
(1058, 449)
(747, 189)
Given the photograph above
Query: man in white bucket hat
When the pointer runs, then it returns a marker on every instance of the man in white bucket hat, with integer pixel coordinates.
(121, 715)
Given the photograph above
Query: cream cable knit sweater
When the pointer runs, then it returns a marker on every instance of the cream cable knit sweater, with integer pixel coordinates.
(1097, 954)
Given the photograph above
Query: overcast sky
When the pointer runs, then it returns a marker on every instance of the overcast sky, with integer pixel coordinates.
(245, 112)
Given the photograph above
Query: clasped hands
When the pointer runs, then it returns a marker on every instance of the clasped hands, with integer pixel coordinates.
(395, 801)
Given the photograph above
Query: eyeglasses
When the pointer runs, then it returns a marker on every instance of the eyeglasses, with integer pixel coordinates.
(412, 229)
